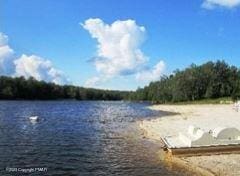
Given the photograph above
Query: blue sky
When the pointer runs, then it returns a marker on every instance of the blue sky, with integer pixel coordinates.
(176, 34)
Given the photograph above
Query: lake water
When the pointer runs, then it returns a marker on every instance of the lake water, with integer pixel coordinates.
(77, 138)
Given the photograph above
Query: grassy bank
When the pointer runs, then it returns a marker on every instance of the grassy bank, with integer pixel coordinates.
(223, 100)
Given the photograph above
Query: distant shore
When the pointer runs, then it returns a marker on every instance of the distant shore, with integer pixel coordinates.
(177, 118)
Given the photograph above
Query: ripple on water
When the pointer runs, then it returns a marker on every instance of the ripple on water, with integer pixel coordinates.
(78, 138)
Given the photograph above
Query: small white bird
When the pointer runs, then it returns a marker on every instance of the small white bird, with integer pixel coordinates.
(33, 118)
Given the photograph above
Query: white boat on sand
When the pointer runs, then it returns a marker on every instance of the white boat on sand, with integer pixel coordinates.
(196, 141)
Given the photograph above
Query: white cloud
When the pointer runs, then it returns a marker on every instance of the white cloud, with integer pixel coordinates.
(6, 56)
(35, 66)
(39, 68)
(3, 39)
(96, 81)
(211, 4)
(118, 49)
(92, 82)
(153, 74)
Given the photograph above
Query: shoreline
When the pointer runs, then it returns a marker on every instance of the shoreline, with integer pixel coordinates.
(177, 118)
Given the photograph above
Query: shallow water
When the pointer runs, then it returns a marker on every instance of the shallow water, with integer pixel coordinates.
(77, 138)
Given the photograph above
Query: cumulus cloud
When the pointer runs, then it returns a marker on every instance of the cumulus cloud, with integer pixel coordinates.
(6, 56)
(211, 4)
(34, 66)
(118, 49)
(39, 68)
(151, 74)
(93, 82)
(118, 45)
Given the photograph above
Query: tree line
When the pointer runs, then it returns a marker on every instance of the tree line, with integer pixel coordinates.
(20, 88)
(207, 81)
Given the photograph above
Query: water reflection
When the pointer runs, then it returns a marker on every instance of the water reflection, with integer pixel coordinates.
(78, 138)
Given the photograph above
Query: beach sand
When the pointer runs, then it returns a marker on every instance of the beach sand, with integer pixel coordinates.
(177, 118)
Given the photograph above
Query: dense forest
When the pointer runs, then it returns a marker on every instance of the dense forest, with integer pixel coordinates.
(208, 81)
(31, 89)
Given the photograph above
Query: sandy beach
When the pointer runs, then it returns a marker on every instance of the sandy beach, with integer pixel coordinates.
(177, 118)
